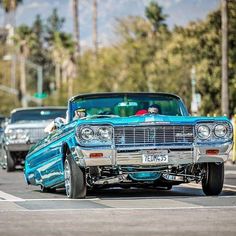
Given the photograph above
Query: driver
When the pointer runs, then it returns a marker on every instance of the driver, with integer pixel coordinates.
(79, 113)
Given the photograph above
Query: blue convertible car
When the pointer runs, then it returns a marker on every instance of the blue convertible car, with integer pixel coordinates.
(130, 139)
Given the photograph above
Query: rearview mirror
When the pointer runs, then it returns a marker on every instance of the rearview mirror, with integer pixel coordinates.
(128, 104)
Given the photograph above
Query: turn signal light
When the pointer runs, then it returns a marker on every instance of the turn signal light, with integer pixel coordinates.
(96, 155)
(212, 152)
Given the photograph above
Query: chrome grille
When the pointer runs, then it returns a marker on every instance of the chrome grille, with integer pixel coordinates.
(153, 135)
(36, 134)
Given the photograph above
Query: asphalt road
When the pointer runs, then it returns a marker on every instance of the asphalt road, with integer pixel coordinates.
(184, 210)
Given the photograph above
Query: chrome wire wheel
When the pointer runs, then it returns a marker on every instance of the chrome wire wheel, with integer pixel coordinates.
(67, 173)
(75, 182)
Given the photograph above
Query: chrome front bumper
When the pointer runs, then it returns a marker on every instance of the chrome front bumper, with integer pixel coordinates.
(127, 157)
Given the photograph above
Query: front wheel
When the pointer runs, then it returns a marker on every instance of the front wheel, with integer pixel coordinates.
(213, 181)
(75, 181)
(10, 163)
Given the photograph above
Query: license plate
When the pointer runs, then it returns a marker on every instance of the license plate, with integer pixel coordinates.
(154, 158)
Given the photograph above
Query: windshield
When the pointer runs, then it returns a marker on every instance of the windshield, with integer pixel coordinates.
(36, 115)
(127, 105)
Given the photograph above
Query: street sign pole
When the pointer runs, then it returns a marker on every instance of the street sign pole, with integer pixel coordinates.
(40, 83)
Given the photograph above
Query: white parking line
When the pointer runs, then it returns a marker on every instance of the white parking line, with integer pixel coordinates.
(46, 199)
(127, 209)
(230, 172)
(63, 199)
(10, 198)
(226, 186)
(230, 186)
(193, 185)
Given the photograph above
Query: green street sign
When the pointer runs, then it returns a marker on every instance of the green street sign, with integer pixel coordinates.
(40, 95)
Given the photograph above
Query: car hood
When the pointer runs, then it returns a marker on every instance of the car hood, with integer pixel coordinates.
(151, 119)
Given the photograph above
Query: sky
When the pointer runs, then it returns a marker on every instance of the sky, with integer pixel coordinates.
(180, 12)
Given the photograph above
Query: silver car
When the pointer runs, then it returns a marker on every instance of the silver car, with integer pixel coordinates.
(25, 128)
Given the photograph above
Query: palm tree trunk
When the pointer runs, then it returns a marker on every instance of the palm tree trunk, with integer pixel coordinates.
(58, 76)
(75, 9)
(95, 36)
(70, 87)
(225, 88)
(23, 89)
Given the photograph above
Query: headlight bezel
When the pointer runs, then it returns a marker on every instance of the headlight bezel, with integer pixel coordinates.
(97, 139)
(213, 137)
(17, 135)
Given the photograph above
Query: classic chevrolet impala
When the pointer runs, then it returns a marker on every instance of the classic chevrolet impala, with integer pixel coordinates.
(25, 128)
(130, 139)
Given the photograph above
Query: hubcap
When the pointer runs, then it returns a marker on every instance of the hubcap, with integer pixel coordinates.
(67, 174)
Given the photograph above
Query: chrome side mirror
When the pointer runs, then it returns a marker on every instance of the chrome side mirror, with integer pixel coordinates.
(59, 122)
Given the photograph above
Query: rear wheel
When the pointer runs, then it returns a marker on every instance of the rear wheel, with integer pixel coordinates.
(75, 181)
(10, 163)
(213, 180)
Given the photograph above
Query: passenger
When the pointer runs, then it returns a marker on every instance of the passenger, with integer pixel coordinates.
(154, 109)
(55, 124)
(141, 112)
(79, 113)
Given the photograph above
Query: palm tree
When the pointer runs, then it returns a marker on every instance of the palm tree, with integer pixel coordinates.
(62, 55)
(75, 9)
(95, 35)
(154, 14)
(24, 40)
(9, 7)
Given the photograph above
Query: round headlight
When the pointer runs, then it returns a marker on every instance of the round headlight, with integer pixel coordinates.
(220, 131)
(104, 133)
(11, 135)
(87, 134)
(203, 132)
(17, 134)
(22, 134)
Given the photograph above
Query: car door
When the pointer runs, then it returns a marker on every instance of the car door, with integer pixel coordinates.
(52, 170)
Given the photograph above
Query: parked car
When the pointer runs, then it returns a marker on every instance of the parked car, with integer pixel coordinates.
(2, 122)
(25, 128)
(130, 139)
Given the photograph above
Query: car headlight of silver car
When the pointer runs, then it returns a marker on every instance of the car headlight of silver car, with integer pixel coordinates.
(17, 135)
(94, 135)
(203, 131)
